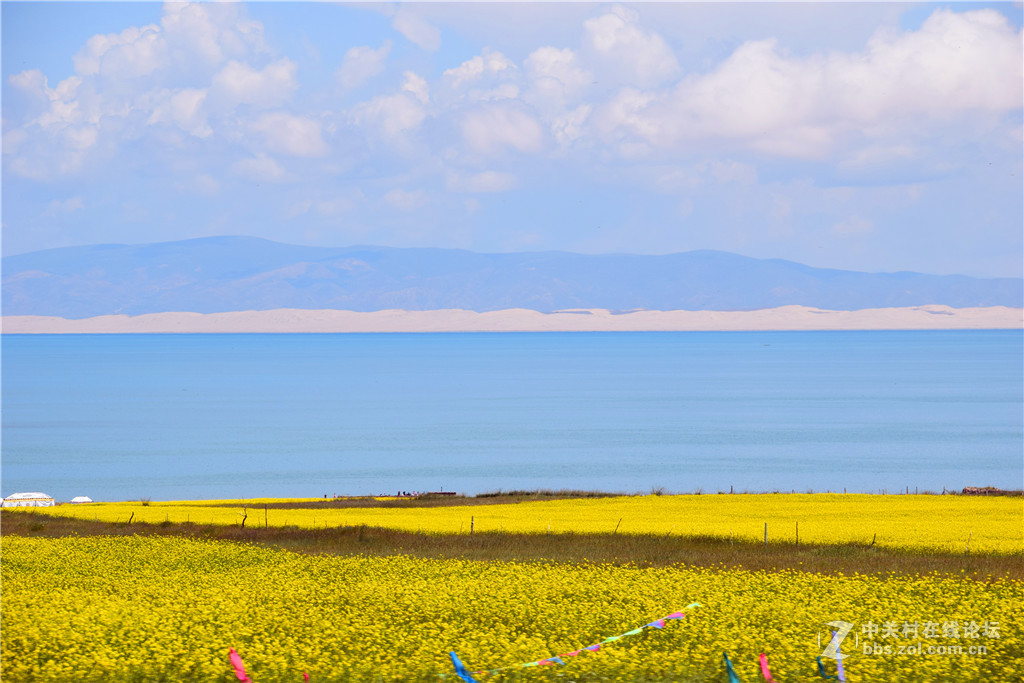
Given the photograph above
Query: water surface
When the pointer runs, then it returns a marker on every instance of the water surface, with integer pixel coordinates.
(120, 417)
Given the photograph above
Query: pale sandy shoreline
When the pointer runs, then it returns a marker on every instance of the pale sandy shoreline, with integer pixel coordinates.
(521, 320)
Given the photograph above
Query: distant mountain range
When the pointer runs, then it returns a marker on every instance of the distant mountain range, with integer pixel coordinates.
(220, 274)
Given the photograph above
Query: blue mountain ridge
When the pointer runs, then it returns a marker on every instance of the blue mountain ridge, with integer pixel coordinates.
(218, 274)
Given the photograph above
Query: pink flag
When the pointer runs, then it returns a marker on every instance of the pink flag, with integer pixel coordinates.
(676, 615)
(305, 676)
(764, 669)
(570, 654)
(236, 662)
(593, 648)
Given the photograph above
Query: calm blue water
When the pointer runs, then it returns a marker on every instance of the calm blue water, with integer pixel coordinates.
(209, 416)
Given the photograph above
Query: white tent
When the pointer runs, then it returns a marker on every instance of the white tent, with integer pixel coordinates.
(28, 500)
(81, 499)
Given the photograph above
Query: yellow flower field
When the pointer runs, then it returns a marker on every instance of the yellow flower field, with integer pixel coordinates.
(151, 608)
(947, 523)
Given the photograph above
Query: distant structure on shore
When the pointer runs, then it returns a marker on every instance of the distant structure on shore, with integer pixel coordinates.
(28, 500)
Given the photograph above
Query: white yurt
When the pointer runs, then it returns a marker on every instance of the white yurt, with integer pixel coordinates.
(28, 500)
(81, 499)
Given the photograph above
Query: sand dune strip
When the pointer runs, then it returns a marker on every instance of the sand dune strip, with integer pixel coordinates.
(523, 320)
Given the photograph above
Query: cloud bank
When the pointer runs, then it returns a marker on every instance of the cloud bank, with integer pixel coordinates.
(205, 98)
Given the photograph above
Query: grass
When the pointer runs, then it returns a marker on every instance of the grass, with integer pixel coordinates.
(644, 550)
(938, 524)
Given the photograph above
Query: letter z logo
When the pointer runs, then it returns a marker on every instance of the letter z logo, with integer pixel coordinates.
(832, 650)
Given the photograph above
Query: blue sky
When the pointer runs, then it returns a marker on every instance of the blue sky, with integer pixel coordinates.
(874, 136)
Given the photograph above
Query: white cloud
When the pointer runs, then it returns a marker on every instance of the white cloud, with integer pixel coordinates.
(132, 53)
(495, 128)
(556, 78)
(12, 140)
(183, 108)
(204, 184)
(362, 63)
(390, 115)
(58, 207)
(417, 85)
(261, 169)
(176, 74)
(628, 51)
(417, 29)
(206, 34)
(300, 208)
(339, 205)
(289, 134)
(729, 171)
(852, 226)
(627, 114)
(569, 127)
(210, 32)
(968, 60)
(59, 139)
(239, 83)
(31, 81)
(406, 200)
(803, 107)
(781, 207)
(872, 155)
(505, 91)
(194, 24)
(490, 62)
(486, 181)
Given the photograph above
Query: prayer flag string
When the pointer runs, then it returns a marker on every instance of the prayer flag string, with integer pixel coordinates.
(460, 669)
(821, 670)
(733, 678)
(557, 659)
(467, 677)
(238, 666)
(839, 659)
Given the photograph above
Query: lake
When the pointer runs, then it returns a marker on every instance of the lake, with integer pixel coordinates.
(168, 417)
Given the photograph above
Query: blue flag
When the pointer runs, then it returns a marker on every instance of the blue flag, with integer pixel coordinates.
(821, 670)
(460, 670)
(733, 678)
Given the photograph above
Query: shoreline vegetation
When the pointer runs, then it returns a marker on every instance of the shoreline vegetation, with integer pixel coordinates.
(338, 533)
(500, 497)
(785, 318)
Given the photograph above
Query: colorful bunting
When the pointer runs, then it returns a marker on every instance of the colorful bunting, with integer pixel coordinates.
(733, 678)
(460, 669)
(839, 660)
(657, 623)
(467, 677)
(239, 667)
(821, 670)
